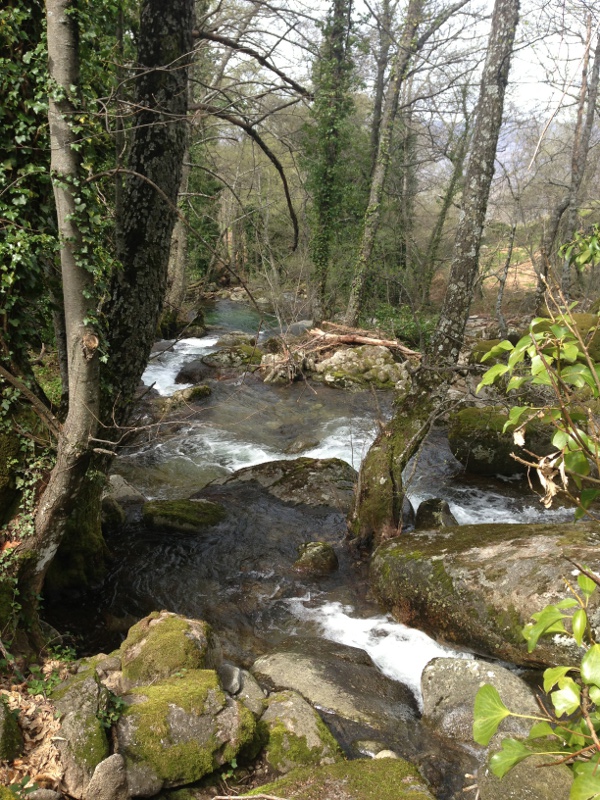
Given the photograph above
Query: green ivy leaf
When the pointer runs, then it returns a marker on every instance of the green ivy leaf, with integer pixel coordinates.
(549, 620)
(512, 753)
(590, 666)
(567, 699)
(579, 624)
(541, 729)
(587, 585)
(489, 711)
(553, 675)
(586, 785)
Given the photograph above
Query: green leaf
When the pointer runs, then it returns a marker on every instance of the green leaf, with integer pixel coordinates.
(553, 675)
(560, 439)
(512, 753)
(488, 712)
(587, 585)
(516, 382)
(498, 350)
(541, 729)
(586, 785)
(586, 499)
(549, 620)
(590, 666)
(595, 695)
(567, 699)
(579, 623)
(490, 376)
(576, 462)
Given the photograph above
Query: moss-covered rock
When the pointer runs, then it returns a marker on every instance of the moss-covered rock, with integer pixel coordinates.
(183, 397)
(297, 736)
(434, 513)
(11, 738)
(362, 779)
(369, 365)
(182, 515)
(241, 355)
(82, 740)
(311, 481)
(178, 730)
(163, 644)
(477, 440)
(316, 559)
(478, 585)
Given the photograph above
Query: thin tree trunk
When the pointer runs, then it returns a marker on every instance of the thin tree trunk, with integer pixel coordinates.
(409, 45)
(579, 156)
(448, 337)
(502, 283)
(385, 42)
(176, 273)
(406, 50)
(78, 298)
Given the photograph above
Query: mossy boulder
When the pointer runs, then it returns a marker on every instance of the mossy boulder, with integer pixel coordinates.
(82, 740)
(369, 365)
(163, 644)
(362, 779)
(183, 397)
(312, 481)
(297, 736)
(240, 355)
(478, 585)
(477, 440)
(11, 738)
(182, 515)
(176, 731)
(434, 513)
(316, 559)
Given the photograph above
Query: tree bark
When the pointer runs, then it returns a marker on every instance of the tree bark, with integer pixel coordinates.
(448, 337)
(406, 50)
(146, 224)
(78, 300)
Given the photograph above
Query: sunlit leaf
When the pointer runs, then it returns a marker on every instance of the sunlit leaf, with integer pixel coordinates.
(590, 666)
(512, 753)
(579, 623)
(587, 585)
(488, 712)
(567, 699)
(541, 729)
(490, 376)
(552, 676)
(549, 620)
(576, 462)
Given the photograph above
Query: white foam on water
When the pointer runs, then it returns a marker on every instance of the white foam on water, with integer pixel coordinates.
(163, 367)
(347, 439)
(400, 652)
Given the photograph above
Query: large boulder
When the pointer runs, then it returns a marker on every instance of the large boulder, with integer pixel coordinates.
(362, 779)
(449, 686)
(109, 781)
(477, 440)
(195, 371)
(163, 644)
(82, 740)
(182, 515)
(296, 735)
(175, 731)
(369, 365)
(311, 481)
(478, 585)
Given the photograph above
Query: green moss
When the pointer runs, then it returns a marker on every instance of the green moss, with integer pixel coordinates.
(166, 649)
(182, 515)
(362, 779)
(285, 748)
(80, 559)
(11, 739)
(249, 354)
(6, 794)
(198, 694)
(93, 747)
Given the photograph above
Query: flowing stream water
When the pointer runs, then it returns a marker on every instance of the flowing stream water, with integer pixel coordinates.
(238, 577)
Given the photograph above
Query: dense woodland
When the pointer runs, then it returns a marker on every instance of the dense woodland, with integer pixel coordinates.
(391, 166)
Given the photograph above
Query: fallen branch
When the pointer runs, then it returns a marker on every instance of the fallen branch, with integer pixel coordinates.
(355, 338)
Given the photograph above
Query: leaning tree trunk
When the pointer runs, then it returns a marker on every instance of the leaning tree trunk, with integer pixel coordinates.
(149, 198)
(448, 338)
(82, 341)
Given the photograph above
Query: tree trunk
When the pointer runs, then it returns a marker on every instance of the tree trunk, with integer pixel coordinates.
(407, 47)
(148, 214)
(82, 341)
(383, 55)
(176, 272)
(579, 157)
(448, 337)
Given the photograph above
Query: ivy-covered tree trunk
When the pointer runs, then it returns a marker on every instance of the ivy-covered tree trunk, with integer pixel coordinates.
(331, 109)
(144, 233)
(82, 338)
(448, 336)
(149, 198)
